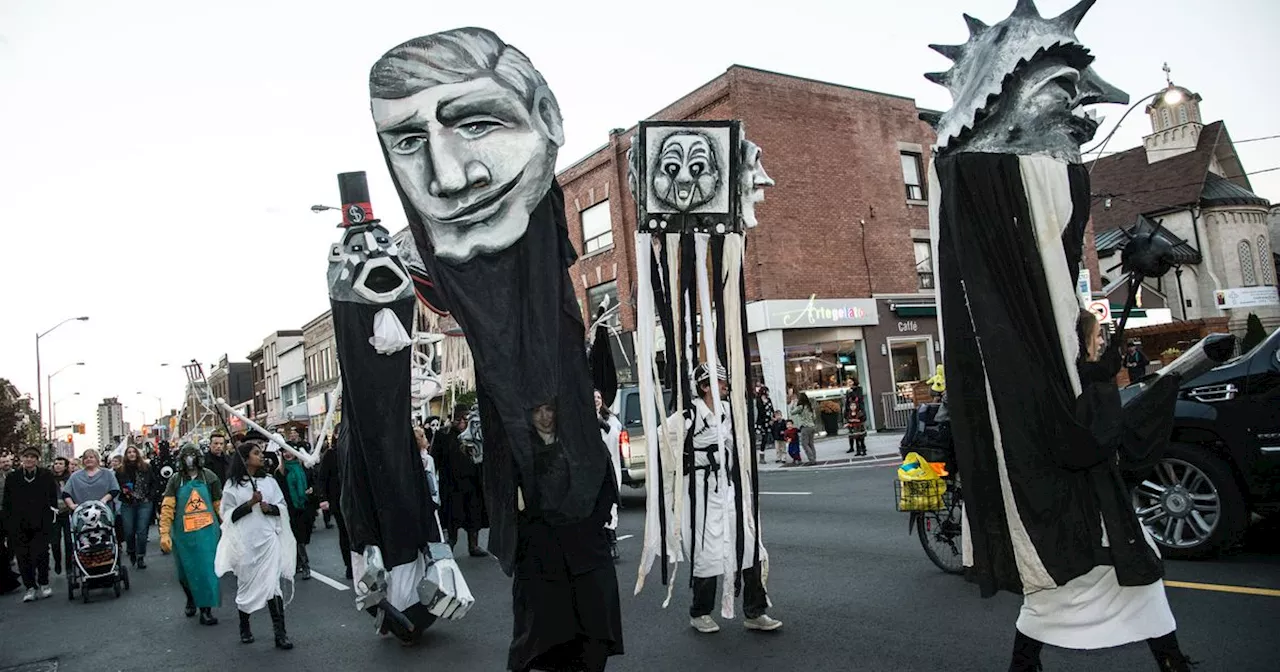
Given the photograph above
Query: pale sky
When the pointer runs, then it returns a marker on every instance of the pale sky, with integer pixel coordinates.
(158, 158)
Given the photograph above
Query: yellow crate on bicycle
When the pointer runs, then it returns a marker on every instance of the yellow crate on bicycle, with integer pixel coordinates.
(920, 486)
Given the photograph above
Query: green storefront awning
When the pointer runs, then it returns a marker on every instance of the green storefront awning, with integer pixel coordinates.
(1117, 309)
(916, 311)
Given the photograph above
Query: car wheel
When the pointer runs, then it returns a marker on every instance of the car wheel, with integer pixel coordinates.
(1190, 503)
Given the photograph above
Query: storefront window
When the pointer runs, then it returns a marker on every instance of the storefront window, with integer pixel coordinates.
(909, 364)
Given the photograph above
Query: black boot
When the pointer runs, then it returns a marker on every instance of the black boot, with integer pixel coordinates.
(304, 566)
(1026, 654)
(1168, 655)
(276, 606)
(190, 609)
(142, 562)
(246, 635)
(207, 617)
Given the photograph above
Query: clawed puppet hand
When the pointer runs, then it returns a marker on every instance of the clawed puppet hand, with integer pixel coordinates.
(444, 591)
(372, 586)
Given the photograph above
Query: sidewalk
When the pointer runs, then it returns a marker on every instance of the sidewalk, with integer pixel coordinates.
(831, 450)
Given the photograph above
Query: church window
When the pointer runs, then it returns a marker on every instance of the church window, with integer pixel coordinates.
(1182, 114)
(1266, 262)
(1165, 121)
(1247, 275)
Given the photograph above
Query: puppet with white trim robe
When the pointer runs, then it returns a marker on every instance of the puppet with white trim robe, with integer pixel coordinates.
(695, 186)
(470, 131)
(1034, 420)
(405, 573)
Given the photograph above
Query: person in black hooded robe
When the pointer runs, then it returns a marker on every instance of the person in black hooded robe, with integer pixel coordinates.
(470, 131)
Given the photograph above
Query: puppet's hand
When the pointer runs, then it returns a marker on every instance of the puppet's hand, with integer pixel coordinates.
(372, 586)
(444, 591)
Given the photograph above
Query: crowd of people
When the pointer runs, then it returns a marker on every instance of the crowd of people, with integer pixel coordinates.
(190, 493)
(792, 435)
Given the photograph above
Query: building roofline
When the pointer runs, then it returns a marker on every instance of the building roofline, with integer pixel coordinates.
(328, 313)
(818, 81)
(724, 75)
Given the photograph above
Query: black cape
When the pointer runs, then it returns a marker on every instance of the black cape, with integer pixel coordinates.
(384, 494)
(1062, 476)
(461, 484)
(521, 320)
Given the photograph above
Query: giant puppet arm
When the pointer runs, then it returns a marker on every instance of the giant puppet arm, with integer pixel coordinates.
(308, 459)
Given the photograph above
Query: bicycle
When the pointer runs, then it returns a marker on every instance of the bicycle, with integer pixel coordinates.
(941, 532)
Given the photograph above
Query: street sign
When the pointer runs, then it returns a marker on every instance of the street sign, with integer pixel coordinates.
(1084, 285)
(1102, 309)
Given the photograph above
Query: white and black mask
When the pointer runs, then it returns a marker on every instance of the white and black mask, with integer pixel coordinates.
(366, 267)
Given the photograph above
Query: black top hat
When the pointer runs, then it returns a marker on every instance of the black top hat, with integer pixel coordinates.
(356, 208)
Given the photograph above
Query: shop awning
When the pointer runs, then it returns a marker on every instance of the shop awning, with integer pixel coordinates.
(915, 310)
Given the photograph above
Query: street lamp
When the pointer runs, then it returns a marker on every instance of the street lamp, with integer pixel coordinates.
(39, 393)
(159, 401)
(49, 388)
(53, 412)
(1172, 96)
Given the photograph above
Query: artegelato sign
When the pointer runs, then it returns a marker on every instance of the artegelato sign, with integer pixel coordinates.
(810, 313)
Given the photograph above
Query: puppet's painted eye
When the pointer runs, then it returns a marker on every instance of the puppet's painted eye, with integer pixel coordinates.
(697, 169)
(478, 128)
(409, 145)
(671, 169)
(382, 240)
(357, 248)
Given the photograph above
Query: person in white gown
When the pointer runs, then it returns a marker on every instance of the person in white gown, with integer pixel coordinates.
(611, 433)
(257, 544)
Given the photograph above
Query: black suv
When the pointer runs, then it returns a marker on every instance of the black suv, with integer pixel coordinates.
(1224, 460)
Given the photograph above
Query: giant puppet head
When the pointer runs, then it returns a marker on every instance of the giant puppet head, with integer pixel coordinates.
(366, 267)
(1020, 87)
(471, 132)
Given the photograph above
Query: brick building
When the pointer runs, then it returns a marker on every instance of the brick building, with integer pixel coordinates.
(838, 274)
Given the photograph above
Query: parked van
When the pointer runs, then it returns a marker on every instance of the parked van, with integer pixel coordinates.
(631, 446)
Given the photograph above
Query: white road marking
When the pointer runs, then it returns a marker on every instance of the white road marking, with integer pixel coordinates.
(765, 492)
(864, 465)
(336, 585)
(625, 537)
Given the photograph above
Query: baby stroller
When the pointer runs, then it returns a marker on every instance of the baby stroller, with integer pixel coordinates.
(96, 553)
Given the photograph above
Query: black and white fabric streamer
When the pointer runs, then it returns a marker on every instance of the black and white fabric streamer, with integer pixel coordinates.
(686, 281)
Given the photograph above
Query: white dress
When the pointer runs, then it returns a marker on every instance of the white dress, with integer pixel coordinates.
(1094, 611)
(713, 536)
(611, 441)
(259, 549)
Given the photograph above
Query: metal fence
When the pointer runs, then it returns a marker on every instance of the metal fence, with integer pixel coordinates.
(896, 414)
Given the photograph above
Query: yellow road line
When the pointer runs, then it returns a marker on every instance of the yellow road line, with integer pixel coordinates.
(1244, 590)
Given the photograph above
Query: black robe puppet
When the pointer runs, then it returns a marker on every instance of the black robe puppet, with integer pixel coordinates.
(470, 132)
(1036, 427)
(406, 575)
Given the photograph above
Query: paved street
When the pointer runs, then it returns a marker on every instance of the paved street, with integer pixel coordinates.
(855, 591)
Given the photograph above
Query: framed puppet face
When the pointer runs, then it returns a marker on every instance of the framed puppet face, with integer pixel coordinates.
(688, 175)
(471, 132)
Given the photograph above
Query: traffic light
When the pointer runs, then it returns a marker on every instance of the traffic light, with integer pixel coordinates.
(70, 438)
(77, 428)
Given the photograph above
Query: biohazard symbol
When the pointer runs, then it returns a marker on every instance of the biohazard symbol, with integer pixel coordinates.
(196, 515)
